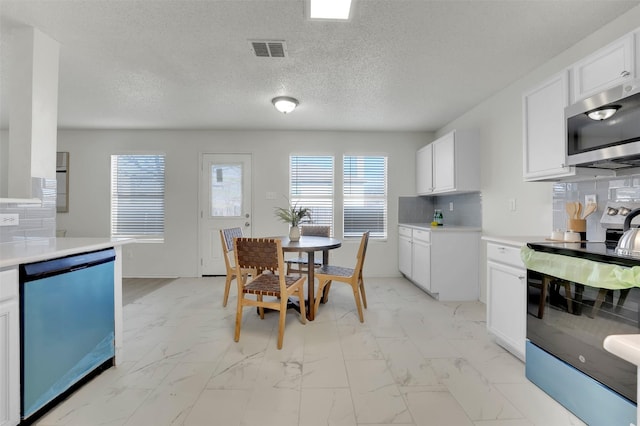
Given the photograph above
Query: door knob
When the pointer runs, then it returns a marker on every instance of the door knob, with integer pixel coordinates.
(247, 224)
(246, 215)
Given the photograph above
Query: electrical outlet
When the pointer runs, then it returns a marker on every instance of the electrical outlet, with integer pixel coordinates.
(451, 206)
(9, 219)
(512, 204)
(591, 198)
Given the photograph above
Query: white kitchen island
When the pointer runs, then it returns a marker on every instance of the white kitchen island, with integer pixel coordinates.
(14, 254)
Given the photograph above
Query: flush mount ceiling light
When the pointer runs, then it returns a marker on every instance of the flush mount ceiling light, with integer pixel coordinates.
(603, 113)
(285, 104)
(329, 9)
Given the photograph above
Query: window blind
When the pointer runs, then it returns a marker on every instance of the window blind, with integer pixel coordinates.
(365, 196)
(137, 196)
(311, 186)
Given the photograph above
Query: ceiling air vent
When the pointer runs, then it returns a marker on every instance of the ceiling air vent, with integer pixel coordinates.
(269, 48)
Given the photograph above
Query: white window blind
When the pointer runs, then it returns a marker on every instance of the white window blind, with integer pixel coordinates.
(312, 186)
(137, 196)
(365, 196)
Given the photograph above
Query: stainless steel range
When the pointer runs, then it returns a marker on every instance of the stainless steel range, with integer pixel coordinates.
(578, 294)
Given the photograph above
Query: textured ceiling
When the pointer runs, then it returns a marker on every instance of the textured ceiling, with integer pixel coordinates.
(396, 65)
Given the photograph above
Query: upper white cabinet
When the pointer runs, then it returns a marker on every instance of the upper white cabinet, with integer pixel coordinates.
(449, 164)
(9, 348)
(608, 67)
(544, 125)
(544, 129)
(424, 175)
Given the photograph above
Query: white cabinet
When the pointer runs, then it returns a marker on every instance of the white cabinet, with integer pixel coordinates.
(435, 261)
(449, 164)
(421, 259)
(9, 348)
(544, 130)
(507, 297)
(424, 175)
(610, 66)
(405, 251)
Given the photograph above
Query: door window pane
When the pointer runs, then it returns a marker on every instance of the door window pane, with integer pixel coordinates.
(226, 190)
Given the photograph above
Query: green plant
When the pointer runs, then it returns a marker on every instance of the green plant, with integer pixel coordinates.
(292, 214)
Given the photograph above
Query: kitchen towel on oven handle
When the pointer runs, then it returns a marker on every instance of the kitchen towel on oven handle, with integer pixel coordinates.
(582, 271)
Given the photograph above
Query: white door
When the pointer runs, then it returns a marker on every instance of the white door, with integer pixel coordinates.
(225, 202)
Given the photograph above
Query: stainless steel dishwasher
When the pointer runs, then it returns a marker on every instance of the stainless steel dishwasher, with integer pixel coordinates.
(66, 327)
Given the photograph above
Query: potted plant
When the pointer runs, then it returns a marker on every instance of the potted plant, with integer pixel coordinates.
(293, 215)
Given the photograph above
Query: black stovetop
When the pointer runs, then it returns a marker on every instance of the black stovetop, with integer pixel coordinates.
(596, 251)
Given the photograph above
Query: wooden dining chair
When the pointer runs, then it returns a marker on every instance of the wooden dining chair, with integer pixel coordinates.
(266, 257)
(300, 264)
(326, 274)
(226, 237)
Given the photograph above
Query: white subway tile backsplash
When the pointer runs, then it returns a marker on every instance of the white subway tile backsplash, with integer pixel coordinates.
(35, 220)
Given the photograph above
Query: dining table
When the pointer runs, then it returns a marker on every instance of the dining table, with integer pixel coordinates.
(311, 245)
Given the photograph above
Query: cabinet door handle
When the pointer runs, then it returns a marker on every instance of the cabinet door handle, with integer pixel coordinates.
(521, 277)
(501, 249)
(625, 74)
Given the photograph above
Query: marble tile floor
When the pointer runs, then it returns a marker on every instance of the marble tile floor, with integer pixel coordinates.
(414, 361)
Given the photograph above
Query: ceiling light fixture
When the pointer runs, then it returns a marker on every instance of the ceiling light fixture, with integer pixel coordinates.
(603, 113)
(330, 9)
(285, 104)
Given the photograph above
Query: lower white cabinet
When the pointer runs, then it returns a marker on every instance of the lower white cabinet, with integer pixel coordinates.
(443, 262)
(507, 297)
(422, 260)
(9, 348)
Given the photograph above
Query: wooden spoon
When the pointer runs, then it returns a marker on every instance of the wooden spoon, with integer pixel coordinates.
(591, 207)
(571, 209)
(578, 209)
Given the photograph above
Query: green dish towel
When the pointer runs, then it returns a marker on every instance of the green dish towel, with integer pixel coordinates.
(583, 271)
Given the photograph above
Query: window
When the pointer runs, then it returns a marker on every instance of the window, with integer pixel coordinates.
(365, 196)
(312, 186)
(137, 196)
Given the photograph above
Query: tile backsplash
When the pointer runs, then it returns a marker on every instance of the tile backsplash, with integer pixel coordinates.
(34, 220)
(619, 189)
(467, 209)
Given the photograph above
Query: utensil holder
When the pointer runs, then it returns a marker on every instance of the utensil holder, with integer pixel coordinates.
(578, 225)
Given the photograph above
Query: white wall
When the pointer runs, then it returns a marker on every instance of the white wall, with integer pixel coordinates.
(499, 120)
(89, 177)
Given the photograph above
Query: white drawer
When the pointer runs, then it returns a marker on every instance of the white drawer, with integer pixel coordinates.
(508, 255)
(421, 235)
(8, 284)
(404, 231)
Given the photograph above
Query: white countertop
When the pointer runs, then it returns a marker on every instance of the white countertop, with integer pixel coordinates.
(16, 253)
(626, 346)
(516, 240)
(445, 228)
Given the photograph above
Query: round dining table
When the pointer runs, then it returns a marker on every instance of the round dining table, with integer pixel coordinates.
(311, 245)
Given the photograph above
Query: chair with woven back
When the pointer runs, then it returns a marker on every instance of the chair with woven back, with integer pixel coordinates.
(226, 236)
(300, 264)
(265, 256)
(326, 274)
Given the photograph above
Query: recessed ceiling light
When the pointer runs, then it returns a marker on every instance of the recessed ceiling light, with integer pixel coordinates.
(330, 9)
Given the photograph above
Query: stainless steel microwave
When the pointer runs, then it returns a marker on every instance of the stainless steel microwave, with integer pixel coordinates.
(603, 131)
